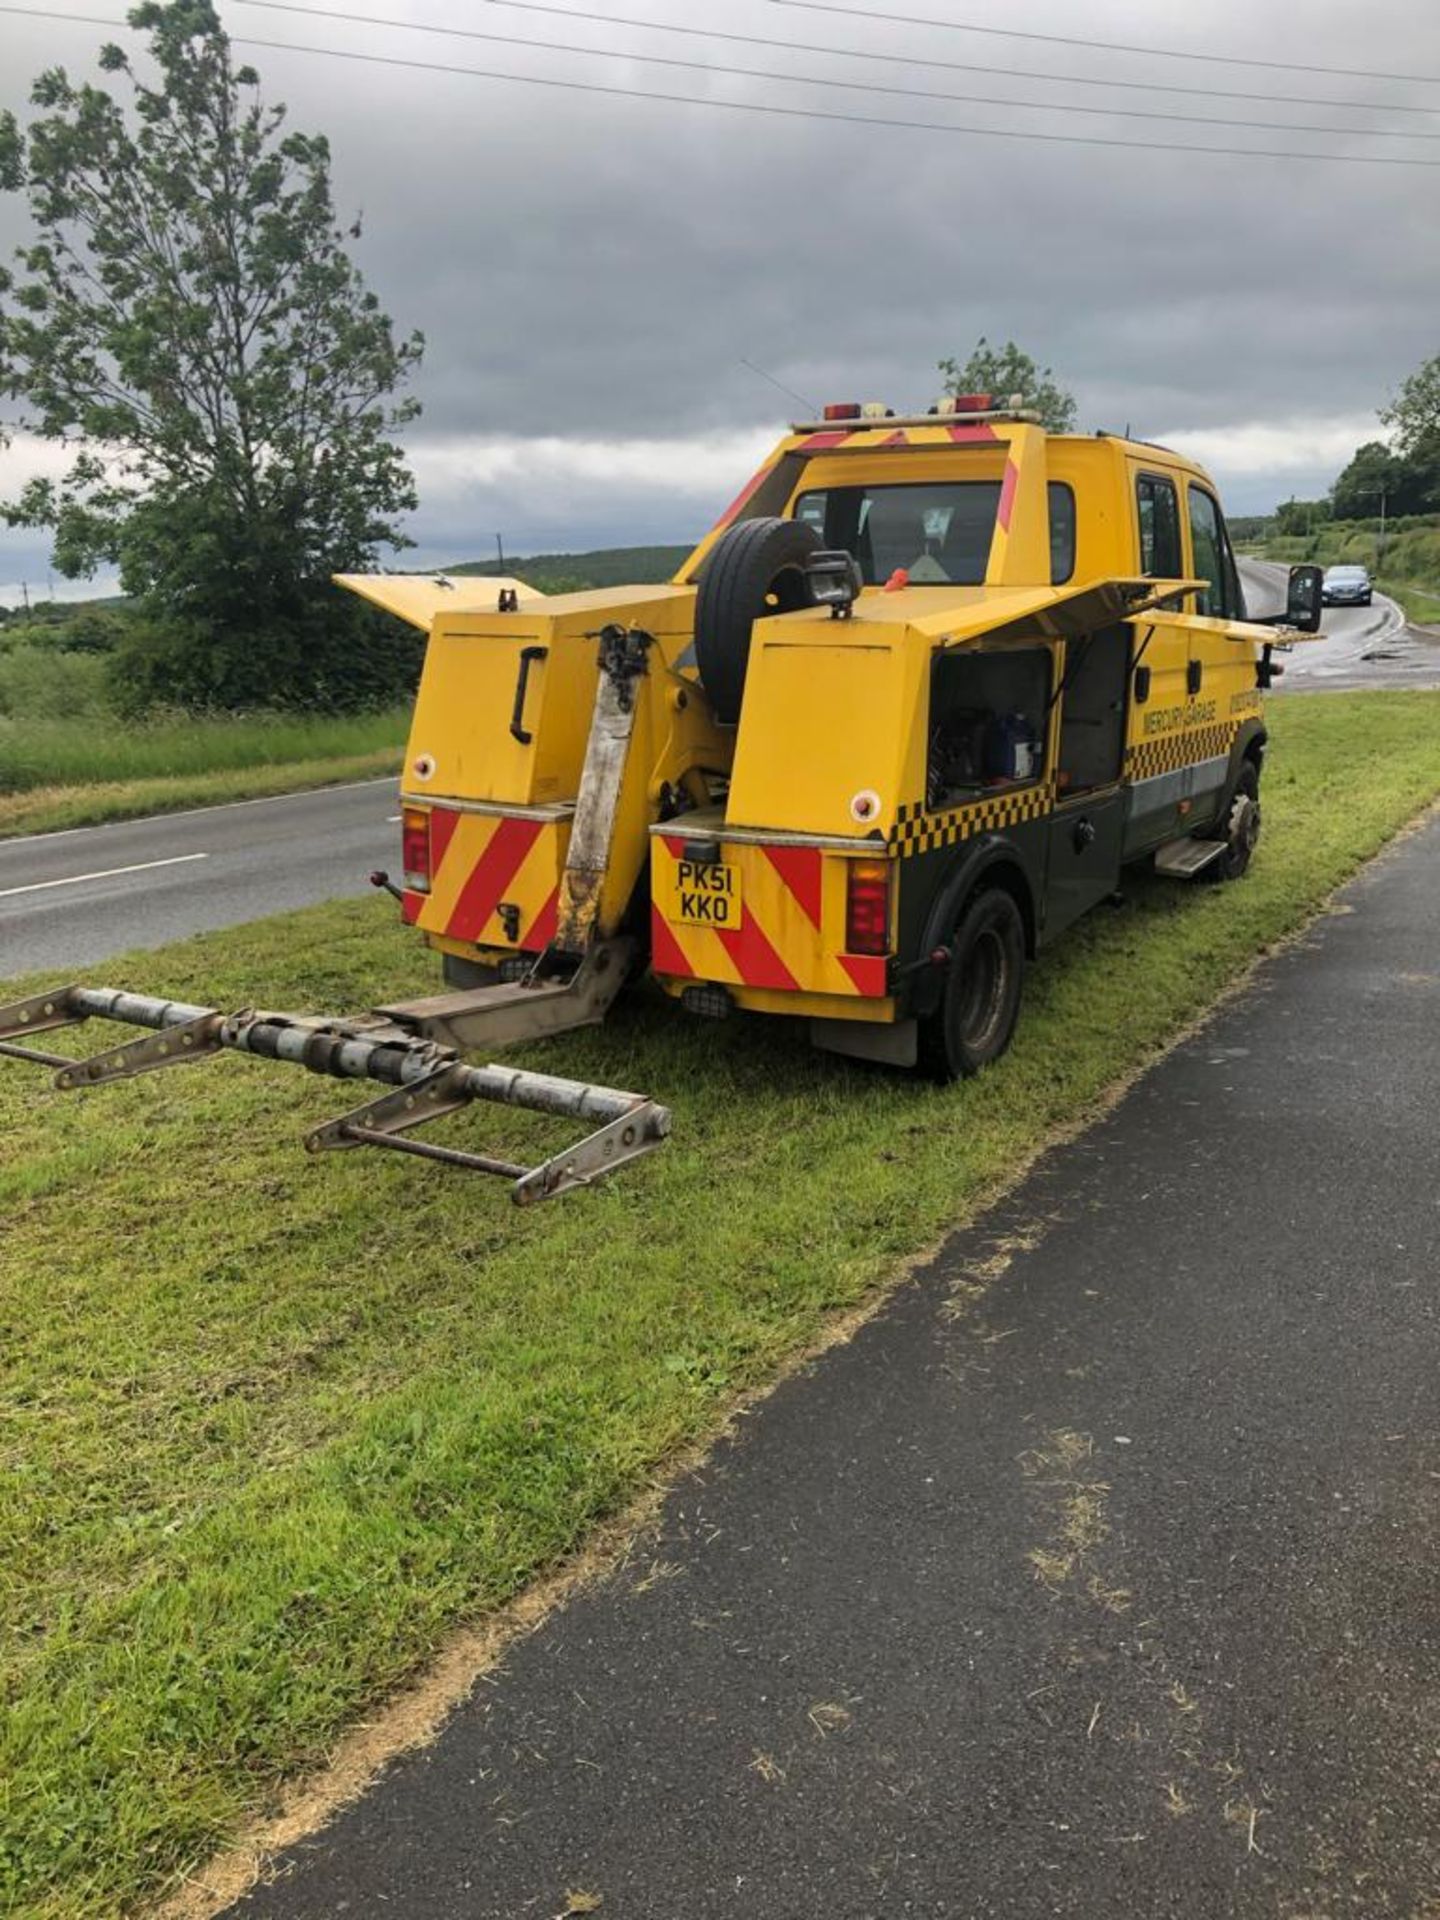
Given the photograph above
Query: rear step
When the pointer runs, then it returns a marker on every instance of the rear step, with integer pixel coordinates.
(1187, 858)
(426, 1076)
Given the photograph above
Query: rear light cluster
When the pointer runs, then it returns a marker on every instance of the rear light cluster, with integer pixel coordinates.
(415, 848)
(867, 907)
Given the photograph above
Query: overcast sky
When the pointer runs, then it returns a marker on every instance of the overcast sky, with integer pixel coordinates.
(590, 269)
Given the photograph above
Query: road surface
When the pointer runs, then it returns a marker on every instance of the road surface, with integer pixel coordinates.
(1360, 646)
(1102, 1589)
(70, 900)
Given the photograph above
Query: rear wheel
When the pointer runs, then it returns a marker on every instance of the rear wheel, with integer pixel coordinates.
(976, 1017)
(754, 569)
(1241, 827)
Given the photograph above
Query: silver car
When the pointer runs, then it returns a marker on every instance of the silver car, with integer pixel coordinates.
(1346, 587)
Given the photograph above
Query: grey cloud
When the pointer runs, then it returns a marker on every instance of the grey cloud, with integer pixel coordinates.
(599, 266)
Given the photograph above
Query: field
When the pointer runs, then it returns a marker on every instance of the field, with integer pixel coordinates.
(270, 1426)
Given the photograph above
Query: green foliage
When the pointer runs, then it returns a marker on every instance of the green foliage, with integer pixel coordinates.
(1247, 527)
(1299, 516)
(1409, 483)
(48, 683)
(1006, 370)
(321, 650)
(1414, 414)
(60, 733)
(268, 1451)
(188, 320)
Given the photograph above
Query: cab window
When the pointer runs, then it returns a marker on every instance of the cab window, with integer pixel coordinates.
(1214, 563)
(939, 533)
(1158, 509)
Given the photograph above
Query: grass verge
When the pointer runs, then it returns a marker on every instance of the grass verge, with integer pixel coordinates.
(94, 768)
(269, 1426)
(48, 809)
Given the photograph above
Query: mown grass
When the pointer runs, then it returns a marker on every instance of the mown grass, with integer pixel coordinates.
(269, 1426)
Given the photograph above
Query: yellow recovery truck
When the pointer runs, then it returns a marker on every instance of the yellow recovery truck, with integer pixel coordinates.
(924, 691)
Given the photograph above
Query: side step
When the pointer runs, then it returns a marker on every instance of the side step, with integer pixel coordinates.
(426, 1078)
(1187, 858)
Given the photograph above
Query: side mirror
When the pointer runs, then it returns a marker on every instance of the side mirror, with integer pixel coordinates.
(1302, 599)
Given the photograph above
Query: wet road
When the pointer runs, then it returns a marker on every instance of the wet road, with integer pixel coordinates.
(1359, 646)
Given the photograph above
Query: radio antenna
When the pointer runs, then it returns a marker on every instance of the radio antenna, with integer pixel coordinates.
(780, 386)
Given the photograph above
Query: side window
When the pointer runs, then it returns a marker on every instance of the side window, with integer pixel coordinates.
(1062, 532)
(1159, 514)
(1213, 562)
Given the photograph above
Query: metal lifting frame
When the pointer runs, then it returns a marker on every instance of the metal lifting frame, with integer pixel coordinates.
(426, 1079)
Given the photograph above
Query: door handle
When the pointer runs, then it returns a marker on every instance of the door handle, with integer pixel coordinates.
(1083, 835)
(528, 656)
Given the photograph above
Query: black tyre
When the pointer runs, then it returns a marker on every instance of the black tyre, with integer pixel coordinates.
(976, 1017)
(1369, 600)
(754, 569)
(465, 975)
(1240, 829)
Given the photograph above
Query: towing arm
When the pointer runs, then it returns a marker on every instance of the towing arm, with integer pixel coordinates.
(426, 1079)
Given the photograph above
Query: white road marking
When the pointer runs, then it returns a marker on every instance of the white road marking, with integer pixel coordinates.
(391, 819)
(110, 873)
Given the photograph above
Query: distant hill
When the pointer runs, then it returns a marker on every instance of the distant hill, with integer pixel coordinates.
(606, 567)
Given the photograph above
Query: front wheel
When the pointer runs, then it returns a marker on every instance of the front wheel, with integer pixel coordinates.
(1241, 827)
(974, 1022)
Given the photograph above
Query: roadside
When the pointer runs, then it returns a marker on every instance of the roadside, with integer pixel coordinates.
(1094, 1578)
(54, 809)
(285, 1422)
(73, 899)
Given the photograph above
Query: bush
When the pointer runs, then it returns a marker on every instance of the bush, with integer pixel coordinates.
(45, 683)
(331, 654)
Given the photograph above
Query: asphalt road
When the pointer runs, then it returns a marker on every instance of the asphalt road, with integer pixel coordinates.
(1358, 646)
(70, 900)
(1105, 1588)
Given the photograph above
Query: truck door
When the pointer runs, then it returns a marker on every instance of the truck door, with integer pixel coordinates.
(1220, 669)
(1088, 824)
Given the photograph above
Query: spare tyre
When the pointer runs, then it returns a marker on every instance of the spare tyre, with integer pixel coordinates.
(755, 569)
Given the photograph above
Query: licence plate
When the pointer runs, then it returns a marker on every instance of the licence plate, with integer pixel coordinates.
(704, 894)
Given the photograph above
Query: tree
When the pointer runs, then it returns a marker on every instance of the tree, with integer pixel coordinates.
(188, 324)
(1414, 414)
(1409, 483)
(1298, 516)
(1003, 371)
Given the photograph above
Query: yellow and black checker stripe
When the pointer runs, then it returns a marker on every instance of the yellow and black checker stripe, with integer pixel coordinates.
(1170, 752)
(917, 830)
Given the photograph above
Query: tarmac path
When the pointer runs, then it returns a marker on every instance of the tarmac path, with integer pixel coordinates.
(1095, 1577)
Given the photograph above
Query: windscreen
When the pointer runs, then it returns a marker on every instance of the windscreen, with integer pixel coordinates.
(939, 533)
